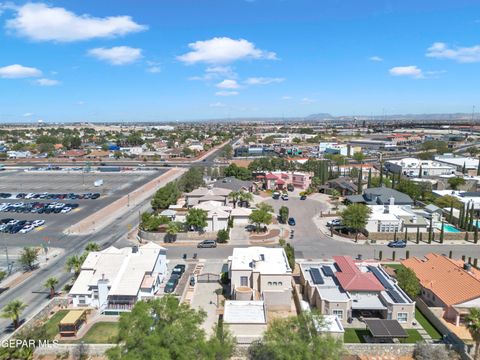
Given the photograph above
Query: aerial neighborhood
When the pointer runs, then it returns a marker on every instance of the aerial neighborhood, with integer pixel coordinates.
(239, 180)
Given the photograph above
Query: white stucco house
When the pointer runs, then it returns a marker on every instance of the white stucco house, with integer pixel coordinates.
(113, 280)
(261, 273)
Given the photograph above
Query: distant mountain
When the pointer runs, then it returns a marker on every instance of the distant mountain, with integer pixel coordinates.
(320, 116)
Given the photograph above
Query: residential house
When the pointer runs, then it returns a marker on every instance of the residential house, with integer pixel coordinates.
(411, 167)
(234, 184)
(209, 193)
(447, 283)
(349, 289)
(113, 280)
(279, 180)
(344, 185)
(380, 196)
(261, 273)
(395, 218)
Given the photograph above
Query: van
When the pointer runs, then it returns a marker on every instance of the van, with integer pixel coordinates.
(207, 244)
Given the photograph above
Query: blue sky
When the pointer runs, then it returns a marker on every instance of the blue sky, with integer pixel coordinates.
(158, 60)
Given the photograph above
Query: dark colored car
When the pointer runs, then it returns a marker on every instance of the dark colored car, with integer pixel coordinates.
(179, 269)
(303, 197)
(207, 244)
(95, 196)
(291, 221)
(397, 244)
(171, 285)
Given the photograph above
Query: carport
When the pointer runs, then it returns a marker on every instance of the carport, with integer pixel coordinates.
(385, 331)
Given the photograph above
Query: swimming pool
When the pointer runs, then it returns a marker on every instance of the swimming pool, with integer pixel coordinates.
(448, 228)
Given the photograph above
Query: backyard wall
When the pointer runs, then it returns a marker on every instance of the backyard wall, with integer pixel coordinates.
(187, 237)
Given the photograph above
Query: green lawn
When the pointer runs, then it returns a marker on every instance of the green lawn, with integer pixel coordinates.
(354, 335)
(394, 266)
(413, 337)
(427, 325)
(51, 326)
(102, 333)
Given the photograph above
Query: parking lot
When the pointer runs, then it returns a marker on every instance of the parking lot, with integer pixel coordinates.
(115, 185)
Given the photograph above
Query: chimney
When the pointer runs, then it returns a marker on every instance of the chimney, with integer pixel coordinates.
(134, 249)
(414, 219)
(467, 267)
(392, 201)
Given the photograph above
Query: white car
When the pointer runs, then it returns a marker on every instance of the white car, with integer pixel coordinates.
(26, 229)
(284, 196)
(334, 222)
(59, 205)
(38, 223)
(13, 222)
(29, 195)
(66, 209)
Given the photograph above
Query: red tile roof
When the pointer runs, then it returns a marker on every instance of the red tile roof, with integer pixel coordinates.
(351, 278)
(446, 278)
(270, 176)
(280, 182)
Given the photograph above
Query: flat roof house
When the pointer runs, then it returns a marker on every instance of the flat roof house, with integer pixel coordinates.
(247, 320)
(348, 290)
(112, 280)
(447, 283)
(261, 273)
(411, 167)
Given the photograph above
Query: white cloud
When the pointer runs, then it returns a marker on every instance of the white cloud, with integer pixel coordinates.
(216, 72)
(28, 114)
(17, 71)
(411, 70)
(153, 67)
(47, 82)
(263, 81)
(375, 58)
(40, 22)
(218, 105)
(223, 50)
(441, 50)
(226, 93)
(228, 84)
(286, 97)
(307, 100)
(117, 55)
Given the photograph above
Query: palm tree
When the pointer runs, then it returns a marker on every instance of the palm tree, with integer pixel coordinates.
(91, 246)
(473, 325)
(173, 228)
(74, 264)
(235, 196)
(245, 197)
(50, 284)
(13, 310)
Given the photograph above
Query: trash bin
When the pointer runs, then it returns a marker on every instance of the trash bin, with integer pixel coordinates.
(184, 256)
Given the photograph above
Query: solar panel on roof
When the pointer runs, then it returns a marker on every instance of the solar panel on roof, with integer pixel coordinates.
(379, 275)
(327, 271)
(316, 276)
(395, 296)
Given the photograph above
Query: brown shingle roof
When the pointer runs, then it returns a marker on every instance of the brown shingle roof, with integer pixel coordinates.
(446, 278)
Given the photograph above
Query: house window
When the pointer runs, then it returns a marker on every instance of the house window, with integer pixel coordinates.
(269, 283)
(274, 283)
(244, 280)
(339, 313)
(402, 317)
(280, 283)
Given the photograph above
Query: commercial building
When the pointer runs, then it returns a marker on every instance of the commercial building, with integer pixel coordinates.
(113, 280)
(460, 162)
(349, 289)
(411, 167)
(447, 283)
(261, 273)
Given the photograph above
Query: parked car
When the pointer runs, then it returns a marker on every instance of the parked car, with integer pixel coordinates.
(397, 244)
(38, 223)
(26, 229)
(285, 197)
(207, 244)
(179, 269)
(303, 197)
(291, 221)
(290, 187)
(275, 195)
(334, 222)
(171, 285)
